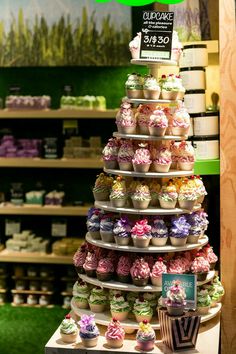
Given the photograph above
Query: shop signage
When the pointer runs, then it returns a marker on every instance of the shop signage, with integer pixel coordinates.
(187, 281)
(156, 38)
(143, 2)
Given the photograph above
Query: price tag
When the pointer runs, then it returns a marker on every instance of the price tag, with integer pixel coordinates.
(12, 227)
(156, 35)
(59, 228)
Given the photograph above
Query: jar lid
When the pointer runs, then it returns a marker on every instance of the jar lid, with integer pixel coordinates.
(204, 114)
(190, 92)
(205, 137)
(189, 46)
(195, 68)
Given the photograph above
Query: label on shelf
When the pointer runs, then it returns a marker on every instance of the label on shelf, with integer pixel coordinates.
(156, 35)
(12, 227)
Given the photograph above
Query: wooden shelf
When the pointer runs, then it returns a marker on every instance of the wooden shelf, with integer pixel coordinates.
(33, 292)
(66, 293)
(46, 279)
(58, 114)
(50, 163)
(9, 209)
(36, 306)
(33, 257)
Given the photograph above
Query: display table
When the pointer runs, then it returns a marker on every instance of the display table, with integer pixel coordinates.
(208, 340)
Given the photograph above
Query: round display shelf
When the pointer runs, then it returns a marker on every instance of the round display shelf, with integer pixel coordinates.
(113, 284)
(149, 211)
(170, 174)
(104, 318)
(148, 101)
(150, 137)
(157, 62)
(151, 249)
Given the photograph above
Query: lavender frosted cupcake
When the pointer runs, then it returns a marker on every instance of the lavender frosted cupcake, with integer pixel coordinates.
(93, 223)
(195, 231)
(159, 232)
(110, 153)
(122, 229)
(106, 228)
(179, 230)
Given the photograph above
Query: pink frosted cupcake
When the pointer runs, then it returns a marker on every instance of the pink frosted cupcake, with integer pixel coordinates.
(141, 197)
(174, 149)
(210, 256)
(141, 234)
(125, 155)
(105, 269)
(161, 159)
(175, 266)
(123, 269)
(90, 264)
(200, 266)
(180, 122)
(115, 334)
(79, 259)
(118, 194)
(140, 272)
(142, 159)
(158, 123)
(186, 156)
(143, 114)
(134, 46)
(125, 119)
(110, 153)
(158, 269)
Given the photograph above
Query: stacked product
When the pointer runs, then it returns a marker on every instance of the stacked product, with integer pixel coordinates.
(26, 241)
(11, 147)
(205, 124)
(28, 102)
(83, 102)
(76, 147)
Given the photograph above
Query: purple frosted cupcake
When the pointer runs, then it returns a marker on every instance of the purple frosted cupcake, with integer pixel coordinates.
(179, 230)
(106, 228)
(93, 223)
(159, 232)
(195, 231)
(121, 231)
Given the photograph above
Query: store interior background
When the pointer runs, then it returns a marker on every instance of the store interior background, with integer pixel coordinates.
(28, 330)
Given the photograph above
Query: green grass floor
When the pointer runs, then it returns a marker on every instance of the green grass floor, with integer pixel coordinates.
(26, 330)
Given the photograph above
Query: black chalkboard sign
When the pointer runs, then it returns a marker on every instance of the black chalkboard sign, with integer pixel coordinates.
(156, 39)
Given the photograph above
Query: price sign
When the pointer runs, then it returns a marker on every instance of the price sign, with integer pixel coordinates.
(156, 35)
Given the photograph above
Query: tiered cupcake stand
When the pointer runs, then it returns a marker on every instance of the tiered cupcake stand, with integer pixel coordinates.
(130, 324)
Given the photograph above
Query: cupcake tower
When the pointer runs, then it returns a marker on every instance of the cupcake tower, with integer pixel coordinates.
(137, 219)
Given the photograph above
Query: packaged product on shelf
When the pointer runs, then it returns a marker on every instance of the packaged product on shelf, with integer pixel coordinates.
(83, 102)
(28, 102)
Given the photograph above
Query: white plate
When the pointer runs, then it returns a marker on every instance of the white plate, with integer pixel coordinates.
(157, 62)
(170, 174)
(150, 137)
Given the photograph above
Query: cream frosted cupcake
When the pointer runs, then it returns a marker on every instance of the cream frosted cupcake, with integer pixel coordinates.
(151, 89)
(125, 119)
(158, 123)
(134, 86)
(142, 310)
(168, 196)
(97, 300)
(143, 114)
(175, 302)
(89, 332)
(134, 46)
(171, 87)
(141, 197)
(110, 153)
(187, 197)
(180, 123)
(102, 187)
(154, 188)
(141, 234)
(158, 269)
(125, 155)
(200, 189)
(81, 294)
(119, 307)
(115, 334)
(118, 194)
(186, 156)
(142, 159)
(68, 330)
(161, 159)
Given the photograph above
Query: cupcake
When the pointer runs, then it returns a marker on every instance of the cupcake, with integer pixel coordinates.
(125, 155)
(176, 266)
(106, 228)
(175, 302)
(68, 330)
(203, 302)
(186, 157)
(218, 287)
(145, 337)
(105, 269)
(79, 259)
(131, 298)
(123, 269)
(81, 294)
(154, 188)
(115, 334)
(89, 332)
(152, 299)
(90, 264)
(134, 46)
(125, 119)
(110, 153)
(142, 310)
(151, 89)
(158, 269)
(102, 187)
(168, 196)
(143, 114)
(171, 87)
(142, 159)
(157, 122)
(180, 123)
(174, 149)
(122, 229)
(134, 86)
(141, 234)
(161, 160)
(97, 300)
(159, 232)
(118, 194)
(200, 266)
(195, 231)
(187, 196)
(140, 272)
(93, 223)
(141, 197)
(119, 307)
(114, 292)
(211, 257)
(179, 230)
(200, 189)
